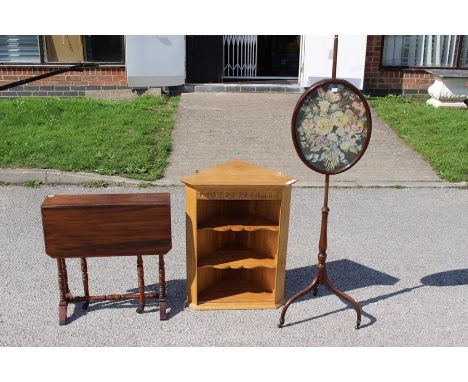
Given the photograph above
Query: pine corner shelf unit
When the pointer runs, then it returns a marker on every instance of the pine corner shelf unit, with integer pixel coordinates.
(237, 217)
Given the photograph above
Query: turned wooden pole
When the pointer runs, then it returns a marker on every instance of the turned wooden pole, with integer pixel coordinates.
(141, 284)
(65, 276)
(114, 297)
(162, 289)
(323, 228)
(61, 280)
(84, 277)
(63, 292)
(322, 255)
(325, 210)
(335, 56)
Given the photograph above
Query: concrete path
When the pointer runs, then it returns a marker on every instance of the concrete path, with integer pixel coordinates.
(400, 252)
(212, 128)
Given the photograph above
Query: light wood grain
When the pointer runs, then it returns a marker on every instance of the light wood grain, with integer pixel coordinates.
(191, 243)
(245, 304)
(220, 192)
(237, 210)
(282, 244)
(236, 258)
(237, 250)
(265, 243)
(234, 290)
(237, 173)
(238, 223)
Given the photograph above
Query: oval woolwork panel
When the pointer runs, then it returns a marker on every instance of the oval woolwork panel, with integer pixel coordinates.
(331, 126)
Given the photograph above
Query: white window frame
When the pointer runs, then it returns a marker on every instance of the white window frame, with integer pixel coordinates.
(424, 51)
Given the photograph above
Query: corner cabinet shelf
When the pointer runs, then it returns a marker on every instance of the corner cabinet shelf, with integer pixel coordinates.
(238, 223)
(236, 258)
(237, 217)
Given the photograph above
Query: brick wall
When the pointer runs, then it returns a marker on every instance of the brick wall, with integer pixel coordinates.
(70, 84)
(382, 81)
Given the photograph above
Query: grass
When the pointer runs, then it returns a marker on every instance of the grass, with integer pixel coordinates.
(33, 184)
(130, 138)
(96, 184)
(439, 135)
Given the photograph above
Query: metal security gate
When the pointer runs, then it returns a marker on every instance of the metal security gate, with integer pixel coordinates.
(240, 56)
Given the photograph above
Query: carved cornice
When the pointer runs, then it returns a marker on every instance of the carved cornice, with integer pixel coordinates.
(239, 193)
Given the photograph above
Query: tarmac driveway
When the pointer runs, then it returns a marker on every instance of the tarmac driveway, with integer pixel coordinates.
(401, 253)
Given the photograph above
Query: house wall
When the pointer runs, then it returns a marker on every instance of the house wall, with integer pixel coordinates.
(317, 59)
(377, 80)
(381, 81)
(70, 84)
(154, 61)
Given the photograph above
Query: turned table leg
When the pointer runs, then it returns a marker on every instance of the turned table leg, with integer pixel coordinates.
(65, 277)
(162, 289)
(141, 285)
(84, 276)
(63, 292)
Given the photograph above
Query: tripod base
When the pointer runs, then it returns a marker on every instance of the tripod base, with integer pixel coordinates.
(321, 278)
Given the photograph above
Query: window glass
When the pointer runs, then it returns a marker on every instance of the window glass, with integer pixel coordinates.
(63, 48)
(464, 53)
(104, 48)
(16, 48)
(420, 50)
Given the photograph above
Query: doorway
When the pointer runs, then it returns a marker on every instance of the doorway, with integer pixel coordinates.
(260, 57)
(242, 58)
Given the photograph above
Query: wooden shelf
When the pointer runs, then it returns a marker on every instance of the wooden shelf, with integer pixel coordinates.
(237, 217)
(238, 223)
(235, 290)
(236, 258)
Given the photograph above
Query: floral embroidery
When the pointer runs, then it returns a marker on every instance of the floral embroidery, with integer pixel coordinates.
(331, 126)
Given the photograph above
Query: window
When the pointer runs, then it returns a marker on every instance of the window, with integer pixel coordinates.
(464, 53)
(104, 48)
(63, 49)
(425, 51)
(20, 49)
(69, 49)
(84, 48)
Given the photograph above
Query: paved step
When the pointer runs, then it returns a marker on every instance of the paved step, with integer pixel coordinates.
(242, 88)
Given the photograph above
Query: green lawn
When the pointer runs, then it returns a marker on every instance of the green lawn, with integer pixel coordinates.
(439, 135)
(131, 138)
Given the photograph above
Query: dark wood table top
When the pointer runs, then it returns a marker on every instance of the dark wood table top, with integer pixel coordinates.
(103, 225)
(95, 200)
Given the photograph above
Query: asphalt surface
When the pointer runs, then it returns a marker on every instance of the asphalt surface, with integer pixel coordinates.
(401, 253)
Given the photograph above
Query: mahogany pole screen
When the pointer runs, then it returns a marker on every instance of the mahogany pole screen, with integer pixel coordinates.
(331, 128)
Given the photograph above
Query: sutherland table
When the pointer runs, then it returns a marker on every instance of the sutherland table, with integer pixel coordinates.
(237, 217)
(102, 225)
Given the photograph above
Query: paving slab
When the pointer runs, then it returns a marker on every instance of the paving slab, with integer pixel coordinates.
(401, 253)
(212, 128)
